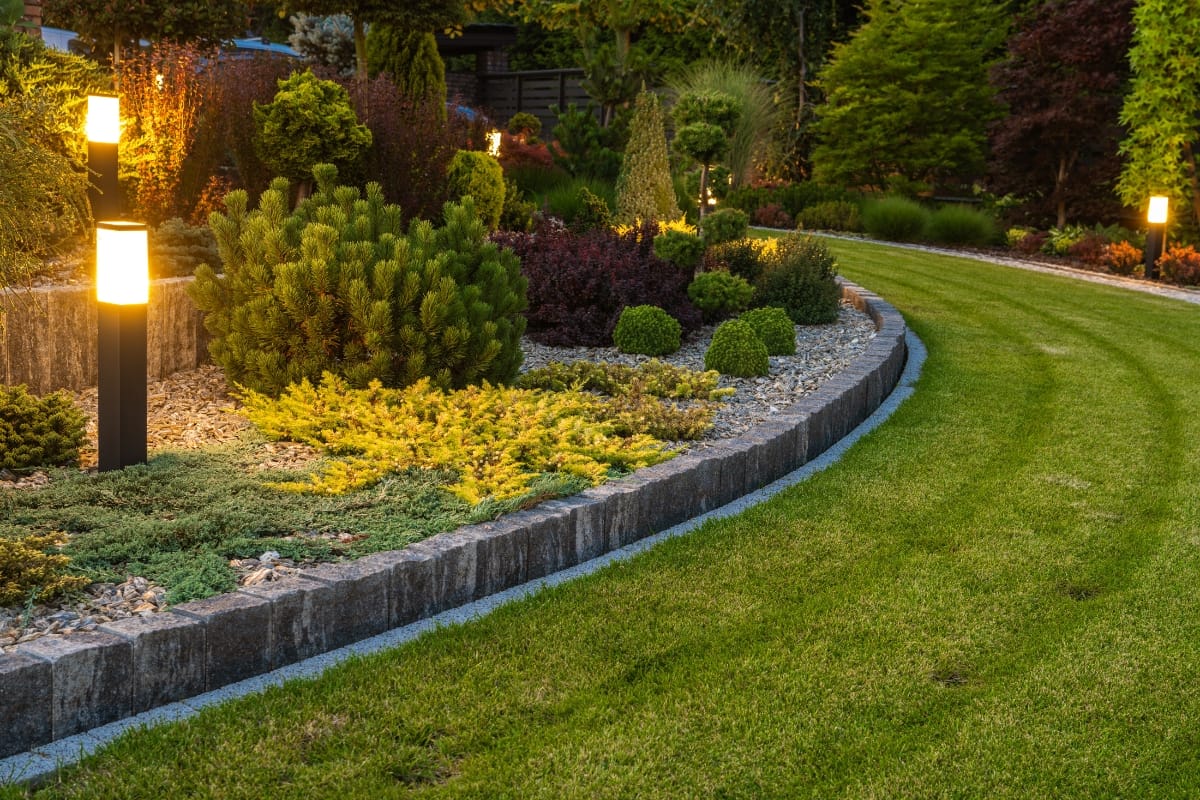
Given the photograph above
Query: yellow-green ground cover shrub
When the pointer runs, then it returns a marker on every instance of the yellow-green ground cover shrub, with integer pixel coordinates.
(26, 567)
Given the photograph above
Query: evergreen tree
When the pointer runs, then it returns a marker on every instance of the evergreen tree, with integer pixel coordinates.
(644, 188)
(1162, 110)
(410, 58)
(108, 26)
(704, 123)
(907, 96)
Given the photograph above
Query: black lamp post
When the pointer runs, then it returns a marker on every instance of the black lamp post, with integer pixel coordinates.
(1156, 235)
(122, 294)
(103, 134)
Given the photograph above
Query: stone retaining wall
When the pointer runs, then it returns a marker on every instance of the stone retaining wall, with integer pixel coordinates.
(48, 336)
(57, 686)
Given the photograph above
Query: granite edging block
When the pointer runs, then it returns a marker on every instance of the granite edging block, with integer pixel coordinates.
(26, 692)
(411, 583)
(456, 564)
(550, 538)
(237, 636)
(669, 495)
(302, 617)
(502, 552)
(167, 660)
(360, 597)
(90, 679)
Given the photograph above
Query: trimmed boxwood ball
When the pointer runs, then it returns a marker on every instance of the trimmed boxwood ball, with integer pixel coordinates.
(647, 331)
(774, 328)
(737, 350)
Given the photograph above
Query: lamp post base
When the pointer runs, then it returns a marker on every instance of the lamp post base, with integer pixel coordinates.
(121, 387)
(1154, 250)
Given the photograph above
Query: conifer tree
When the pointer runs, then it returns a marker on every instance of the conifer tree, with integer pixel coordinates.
(410, 58)
(644, 188)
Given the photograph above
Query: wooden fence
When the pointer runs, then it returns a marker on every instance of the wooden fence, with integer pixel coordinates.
(532, 91)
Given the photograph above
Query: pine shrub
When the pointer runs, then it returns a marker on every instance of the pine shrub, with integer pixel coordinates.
(176, 249)
(774, 328)
(337, 286)
(830, 215)
(593, 212)
(38, 432)
(895, 219)
(411, 58)
(743, 258)
(725, 225)
(29, 572)
(799, 278)
(478, 175)
(644, 190)
(579, 283)
(736, 350)
(956, 224)
(684, 250)
(720, 294)
(646, 330)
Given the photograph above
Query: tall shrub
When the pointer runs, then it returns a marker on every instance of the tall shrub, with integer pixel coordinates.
(338, 286)
(644, 189)
(478, 175)
(704, 123)
(411, 58)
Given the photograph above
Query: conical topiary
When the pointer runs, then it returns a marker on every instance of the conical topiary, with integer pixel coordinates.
(644, 189)
(410, 58)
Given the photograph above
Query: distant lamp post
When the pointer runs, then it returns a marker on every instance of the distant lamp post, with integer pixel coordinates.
(122, 294)
(493, 139)
(1156, 235)
(103, 134)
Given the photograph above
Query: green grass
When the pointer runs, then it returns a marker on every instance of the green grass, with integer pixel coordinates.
(992, 595)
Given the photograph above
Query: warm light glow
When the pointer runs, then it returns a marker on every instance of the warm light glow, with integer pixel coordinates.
(1157, 215)
(158, 81)
(122, 263)
(103, 119)
(493, 138)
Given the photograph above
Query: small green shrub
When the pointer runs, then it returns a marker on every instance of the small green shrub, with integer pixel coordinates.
(681, 249)
(725, 225)
(481, 177)
(176, 248)
(566, 199)
(743, 258)
(525, 124)
(830, 215)
(956, 224)
(774, 327)
(518, 212)
(1059, 241)
(895, 219)
(647, 331)
(28, 571)
(1015, 235)
(736, 350)
(799, 278)
(593, 213)
(720, 294)
(38, 432)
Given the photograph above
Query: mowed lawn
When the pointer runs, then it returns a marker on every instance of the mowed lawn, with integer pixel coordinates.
(996, 594)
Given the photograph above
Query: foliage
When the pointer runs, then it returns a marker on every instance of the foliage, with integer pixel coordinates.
(566, 201)
(653, 378)
(908, 94)
(497, 439)
(1090, 249)
(744, 258)
(724, 225)
(774, 328)
(531, 165)
(644, 190)
(1123, 258)
(336, 285)
(525, 127)
(579, 283)
(794, 197)
(1059, 241)
(582, 147)
(958, 224)
(1014, 235)
(518, 213)
(831, 215)
(1032, 242)
(719, 294)
(1162, 108)
(1181, 265)
(38, 431)
(326, 41)
(1062, 83)
(772, 215)
(736, 350)
(646, 330)
(704, 122)
(799, 277)
(684, 250)
(176, 249)
(163, 92)
(108, 26)
(310, 121)
(28, 572)
(411, 58)
(593, 212)
(756, 112)
(895, 219)
(478, 175)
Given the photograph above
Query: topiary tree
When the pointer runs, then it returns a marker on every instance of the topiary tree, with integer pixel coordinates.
(309, 122)
(736, 350)
(704, 122)
(337, 286)
(644, 188)
(481, 177)
(410, 58)
(647, 330)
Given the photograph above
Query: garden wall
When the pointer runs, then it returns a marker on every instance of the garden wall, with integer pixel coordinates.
(57, 686)
(48, 336)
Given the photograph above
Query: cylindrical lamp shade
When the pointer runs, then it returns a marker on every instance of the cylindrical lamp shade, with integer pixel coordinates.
(1157, 215)
(493, 139)
(103, 119)
(122, 263)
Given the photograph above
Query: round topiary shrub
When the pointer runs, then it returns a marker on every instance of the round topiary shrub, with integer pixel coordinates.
(480, 176)
(737, 350)
(647, 331)
(774, 328)
(719, 294)
(726, 225)
(800, 279)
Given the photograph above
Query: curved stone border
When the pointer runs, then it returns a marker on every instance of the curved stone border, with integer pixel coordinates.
(57, 686)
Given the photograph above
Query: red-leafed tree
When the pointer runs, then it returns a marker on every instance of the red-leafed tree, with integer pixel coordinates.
(1062, 83)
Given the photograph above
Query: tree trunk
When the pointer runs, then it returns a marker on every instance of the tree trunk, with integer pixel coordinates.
(1060, 200)
(360, 50)
(703, 190)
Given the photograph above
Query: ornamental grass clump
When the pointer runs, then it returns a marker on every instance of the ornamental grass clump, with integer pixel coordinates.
(895, 219)
(955, 224)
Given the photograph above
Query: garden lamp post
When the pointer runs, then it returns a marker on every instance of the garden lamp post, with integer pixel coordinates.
(1156, 235)
(103, 134)
(122, 294)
